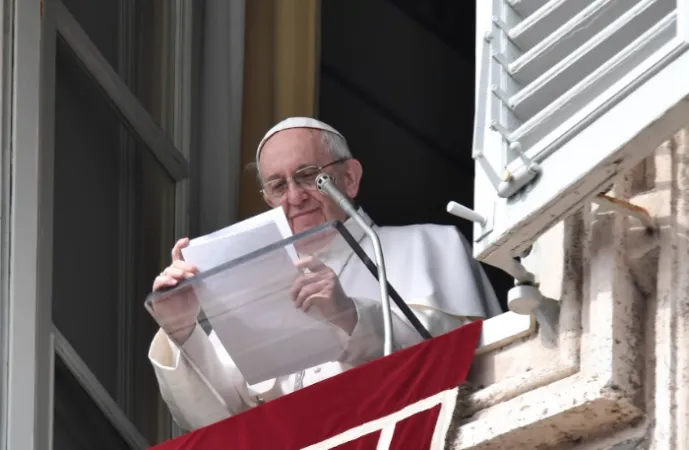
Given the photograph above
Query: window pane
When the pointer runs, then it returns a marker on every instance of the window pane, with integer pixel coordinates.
(137, 39)
(86, 228)
(154, 239)
(79, 424)
(113, 228)
(100, 22)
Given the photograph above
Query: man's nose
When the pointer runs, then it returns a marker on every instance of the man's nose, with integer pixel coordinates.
(295, 193)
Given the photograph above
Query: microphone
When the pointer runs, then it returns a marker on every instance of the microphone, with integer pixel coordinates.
(326, 185)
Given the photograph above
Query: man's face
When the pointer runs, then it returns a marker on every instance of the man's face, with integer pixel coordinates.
(289, 152)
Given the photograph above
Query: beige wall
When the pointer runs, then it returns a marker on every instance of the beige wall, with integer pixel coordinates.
(282, 37)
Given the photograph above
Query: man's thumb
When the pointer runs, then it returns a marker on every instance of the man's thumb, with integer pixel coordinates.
(177, 249)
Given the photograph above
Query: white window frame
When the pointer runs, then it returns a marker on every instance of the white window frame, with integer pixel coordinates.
(27, 342)
(27, 135)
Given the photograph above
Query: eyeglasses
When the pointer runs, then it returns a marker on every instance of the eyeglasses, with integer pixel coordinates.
(304, 178)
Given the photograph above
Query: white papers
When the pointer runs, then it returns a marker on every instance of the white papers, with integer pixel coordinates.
(239, 239)
(250, 305)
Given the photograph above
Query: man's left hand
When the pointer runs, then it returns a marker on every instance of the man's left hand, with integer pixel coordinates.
(320, 287)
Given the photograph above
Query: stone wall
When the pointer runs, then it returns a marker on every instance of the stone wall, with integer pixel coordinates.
(616, 374)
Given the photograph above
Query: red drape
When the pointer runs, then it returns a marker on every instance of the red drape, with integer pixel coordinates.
(368, 393)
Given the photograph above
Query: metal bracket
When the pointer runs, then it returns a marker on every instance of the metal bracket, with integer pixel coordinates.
(525, 298)
(461, 211)
(511, 182)
(609, 203)
(507, 264)
(514, 268)
(514, 182)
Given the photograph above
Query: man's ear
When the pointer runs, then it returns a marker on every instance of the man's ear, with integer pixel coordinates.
(352, 177)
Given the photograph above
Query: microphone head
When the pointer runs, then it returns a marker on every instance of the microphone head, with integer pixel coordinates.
(321, 180)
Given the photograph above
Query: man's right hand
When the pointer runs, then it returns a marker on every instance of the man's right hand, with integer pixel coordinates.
(177, 314)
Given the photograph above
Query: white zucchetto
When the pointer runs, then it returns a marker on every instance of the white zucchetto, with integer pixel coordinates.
(295, 122)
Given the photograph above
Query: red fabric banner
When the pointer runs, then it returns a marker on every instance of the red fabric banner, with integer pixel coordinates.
(403, 401)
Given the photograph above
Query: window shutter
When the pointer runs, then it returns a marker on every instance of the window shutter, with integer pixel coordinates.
(569, 93)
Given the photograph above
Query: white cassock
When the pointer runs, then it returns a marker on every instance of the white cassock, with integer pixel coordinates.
(430, 266)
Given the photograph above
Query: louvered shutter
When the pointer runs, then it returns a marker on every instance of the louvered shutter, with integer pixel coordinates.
(569, 93)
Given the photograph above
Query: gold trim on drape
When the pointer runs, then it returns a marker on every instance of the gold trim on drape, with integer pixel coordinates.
(281, 66)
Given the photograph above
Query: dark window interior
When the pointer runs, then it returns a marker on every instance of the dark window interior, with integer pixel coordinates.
(397, 79)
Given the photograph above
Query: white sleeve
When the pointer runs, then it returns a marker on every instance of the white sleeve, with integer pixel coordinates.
(194, 400)
(367, 339)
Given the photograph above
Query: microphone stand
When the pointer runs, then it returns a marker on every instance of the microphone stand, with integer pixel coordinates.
(326, 185)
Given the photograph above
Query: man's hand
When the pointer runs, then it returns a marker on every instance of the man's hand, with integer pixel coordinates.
(177, 314)
(321, 288)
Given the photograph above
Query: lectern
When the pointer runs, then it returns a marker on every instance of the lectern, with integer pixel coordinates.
(248, 304)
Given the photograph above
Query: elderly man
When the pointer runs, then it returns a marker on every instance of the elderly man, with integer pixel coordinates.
(429, 265)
